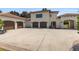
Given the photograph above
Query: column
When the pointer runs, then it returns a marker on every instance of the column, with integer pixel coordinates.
(24, 25)
(15, 25)
(38, 24)
(48, 25)
(31, 24)
(69, 25)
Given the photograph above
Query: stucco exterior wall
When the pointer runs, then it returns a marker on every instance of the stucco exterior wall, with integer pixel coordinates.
(54, 18)
(46, 18)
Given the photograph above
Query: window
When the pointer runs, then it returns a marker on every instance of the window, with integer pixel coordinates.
(38, 15)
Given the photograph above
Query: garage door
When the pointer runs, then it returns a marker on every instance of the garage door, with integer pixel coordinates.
(9, 25)
(43, 24)
(19, 24)
(35, 24)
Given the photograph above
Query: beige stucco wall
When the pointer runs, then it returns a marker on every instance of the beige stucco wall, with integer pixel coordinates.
(46, 18)
(54, 18)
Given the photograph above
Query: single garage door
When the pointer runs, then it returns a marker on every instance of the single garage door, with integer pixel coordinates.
(19, 24)
(35, 24)
(43, 24)
(9, 25)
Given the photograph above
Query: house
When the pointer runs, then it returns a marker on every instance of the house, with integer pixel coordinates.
(49, 19)
(40, 19)
(12, 21)
(44, 19)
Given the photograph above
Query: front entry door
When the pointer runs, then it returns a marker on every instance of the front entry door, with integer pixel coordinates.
(71, 24)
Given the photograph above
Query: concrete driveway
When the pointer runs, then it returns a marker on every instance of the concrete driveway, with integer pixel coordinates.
(28, 39)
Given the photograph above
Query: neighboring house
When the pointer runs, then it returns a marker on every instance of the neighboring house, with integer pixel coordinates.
(69, 20)
(49, 19)
(12, 21)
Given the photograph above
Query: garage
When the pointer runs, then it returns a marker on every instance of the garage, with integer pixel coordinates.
(9, 25)
(35, 24)
(43, 24)
(19, 24)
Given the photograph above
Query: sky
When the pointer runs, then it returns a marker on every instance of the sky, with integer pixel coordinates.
(61, 10)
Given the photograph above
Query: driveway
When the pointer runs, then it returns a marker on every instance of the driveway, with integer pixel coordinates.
(28, 39)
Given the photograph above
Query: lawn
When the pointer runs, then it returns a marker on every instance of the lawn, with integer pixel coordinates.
(2, 49)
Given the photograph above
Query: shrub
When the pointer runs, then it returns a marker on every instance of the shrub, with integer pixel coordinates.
(1, 23)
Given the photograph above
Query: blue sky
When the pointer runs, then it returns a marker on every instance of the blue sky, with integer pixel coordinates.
(61, 10)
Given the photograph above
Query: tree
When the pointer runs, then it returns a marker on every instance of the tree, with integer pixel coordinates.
(78, 24)
(1, 23)
(14, 13)
(0, 11)
(25, 14)
(44, 9)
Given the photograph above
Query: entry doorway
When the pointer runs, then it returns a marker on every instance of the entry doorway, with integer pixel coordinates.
(69, 24)
(53, 24)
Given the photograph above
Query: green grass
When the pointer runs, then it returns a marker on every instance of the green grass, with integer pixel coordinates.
(2, 49)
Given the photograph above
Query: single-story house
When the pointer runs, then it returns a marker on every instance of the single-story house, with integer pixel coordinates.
(12, 21)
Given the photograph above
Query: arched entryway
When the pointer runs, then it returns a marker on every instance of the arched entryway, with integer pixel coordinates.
(9, 25)
(19, 24)
(69, 24)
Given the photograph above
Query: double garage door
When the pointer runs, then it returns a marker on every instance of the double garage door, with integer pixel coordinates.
(42, 24)
(11, 25)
